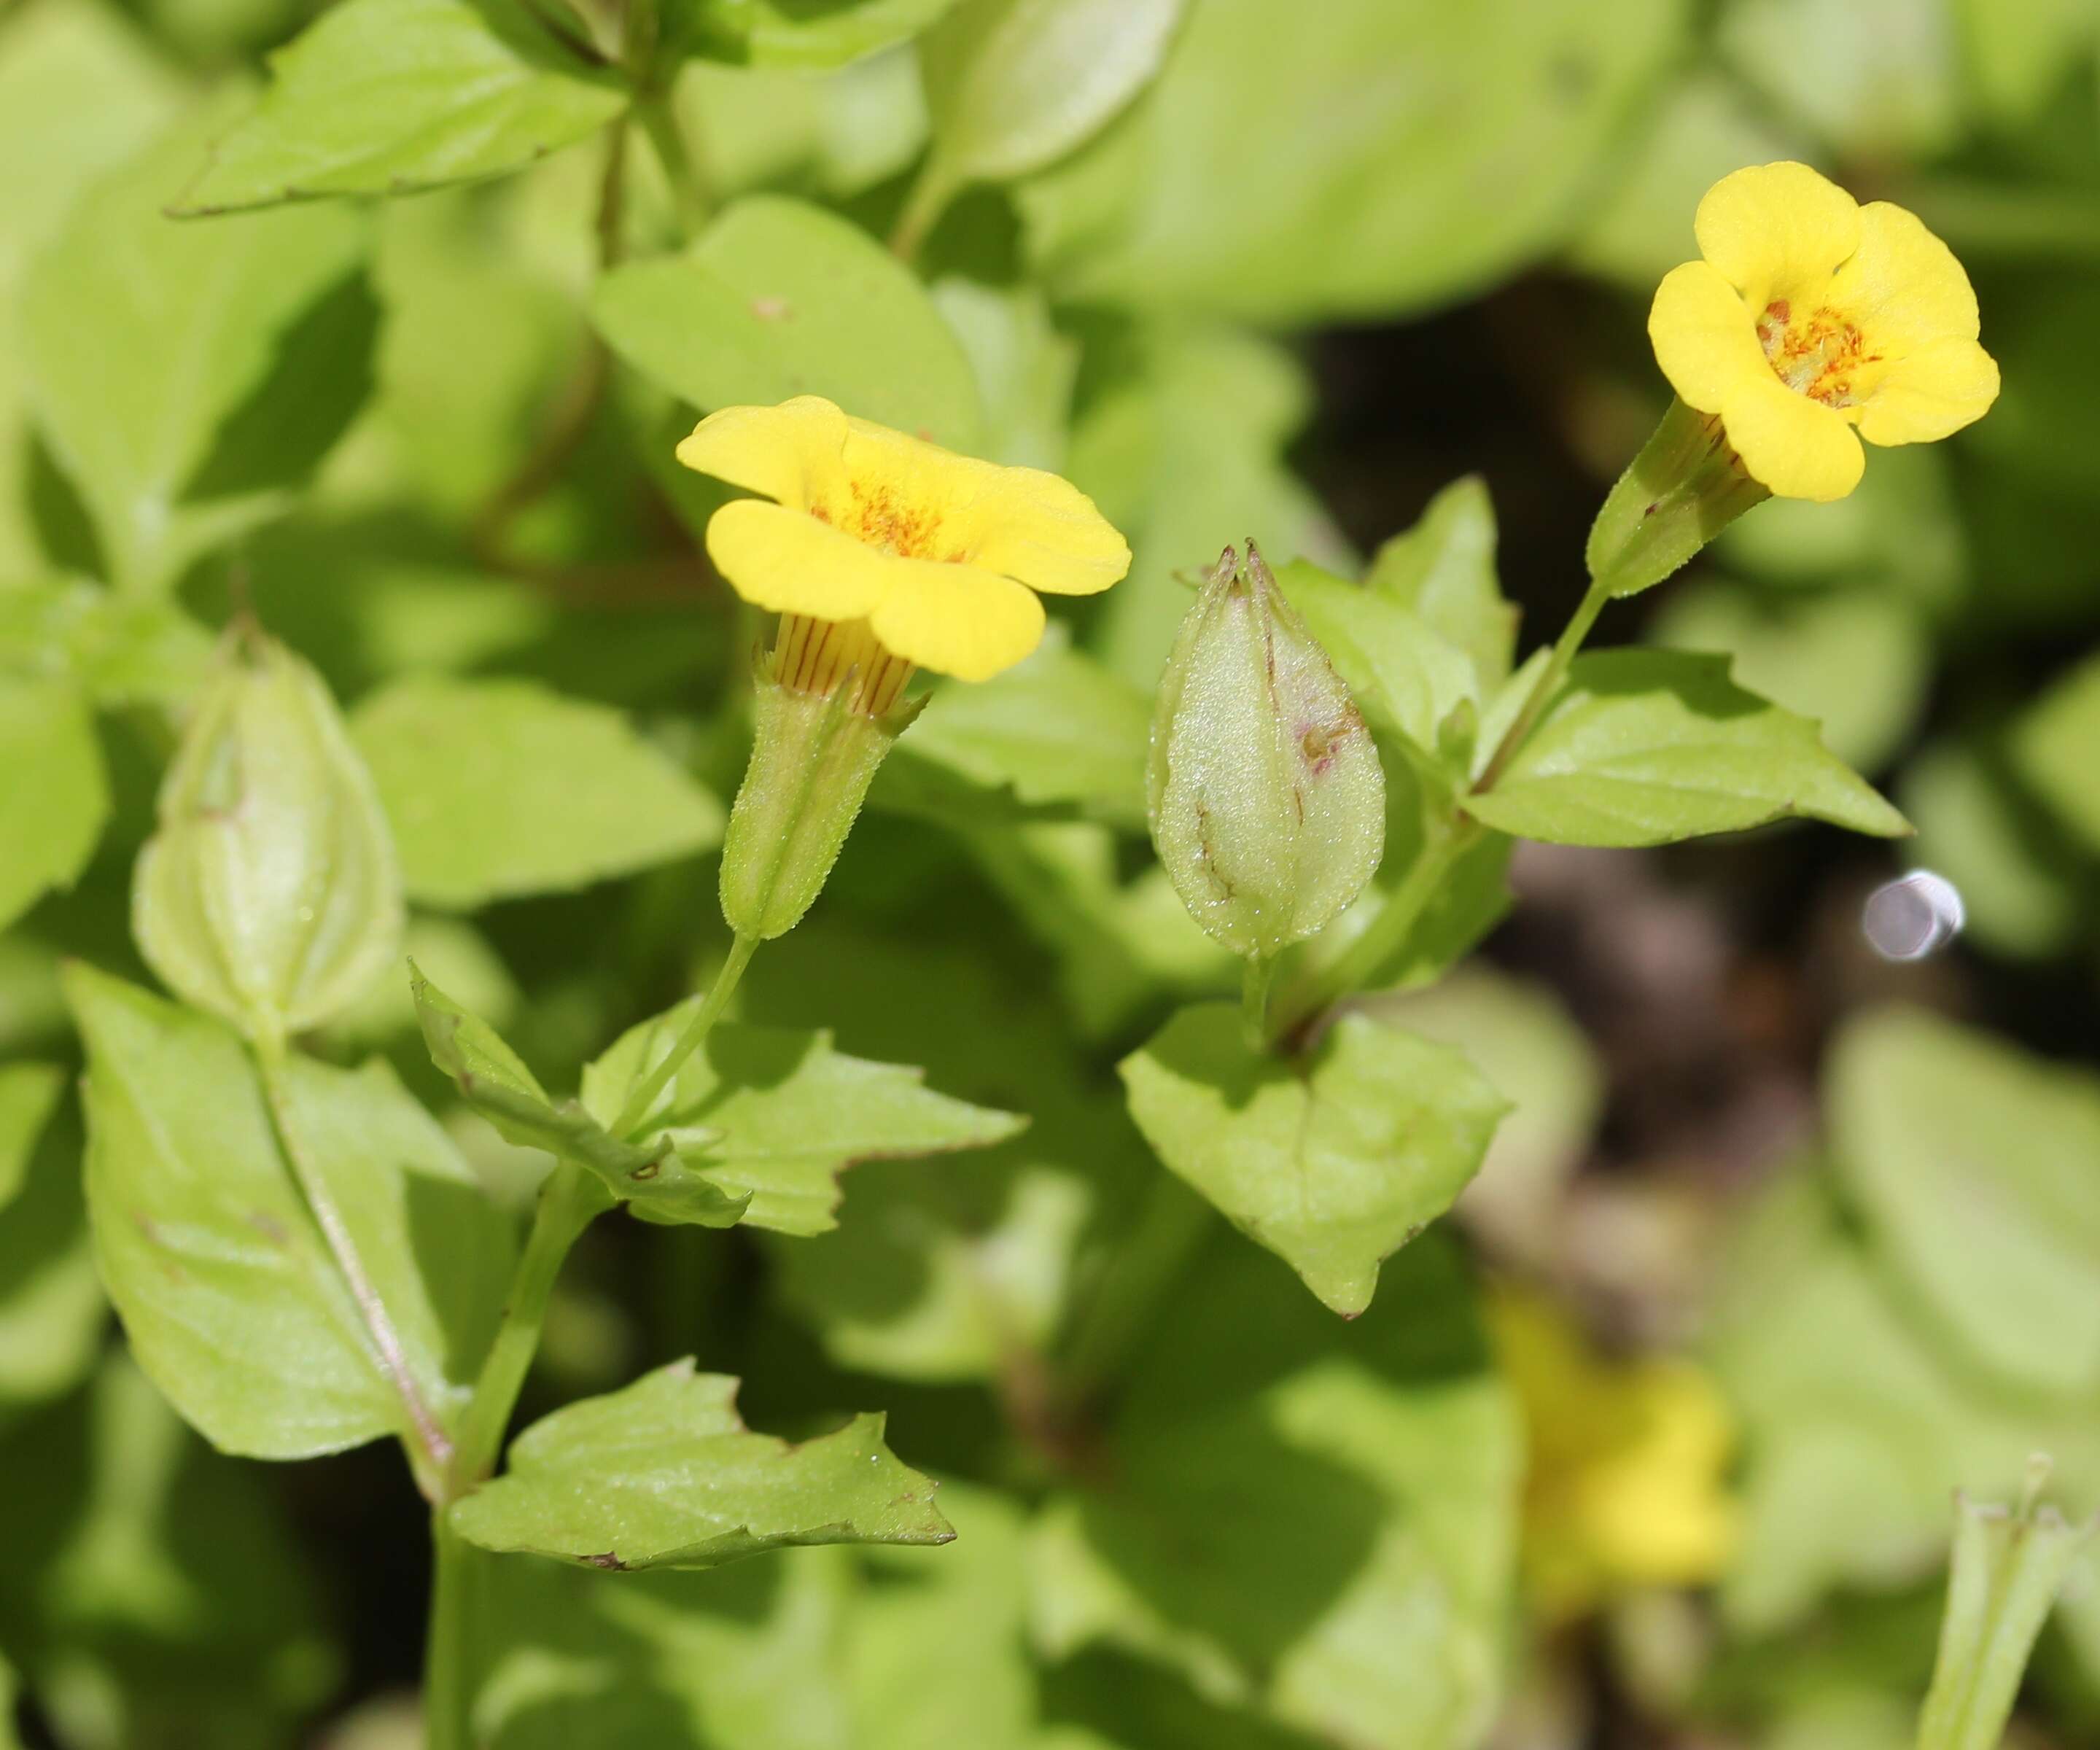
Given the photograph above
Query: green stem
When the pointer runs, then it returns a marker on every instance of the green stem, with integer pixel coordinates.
(682, 168)
(429, 1451)
(449, 1661)
(695, 1036)
(569, 1200)
(1546, 686)
(923, 207)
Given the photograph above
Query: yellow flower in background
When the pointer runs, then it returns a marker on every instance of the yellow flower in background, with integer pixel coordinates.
(1814, 322)
(1626, 1487)
(882, 553)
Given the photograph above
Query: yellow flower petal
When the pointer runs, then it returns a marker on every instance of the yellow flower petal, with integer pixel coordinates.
(1798, 447)
(1936, 390)
(1777, 226)
(1705, 338)
(793, 453)
(957, 619)
(1045, 531)
(788, 561)
(1903, 287)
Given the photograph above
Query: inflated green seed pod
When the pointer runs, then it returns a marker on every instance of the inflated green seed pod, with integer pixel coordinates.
(270, 892)
(1266, 800)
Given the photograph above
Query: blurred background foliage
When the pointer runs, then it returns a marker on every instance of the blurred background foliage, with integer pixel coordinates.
(1781, 1241)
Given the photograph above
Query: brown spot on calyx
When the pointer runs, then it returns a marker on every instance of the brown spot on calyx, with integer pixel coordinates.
(608, 1562)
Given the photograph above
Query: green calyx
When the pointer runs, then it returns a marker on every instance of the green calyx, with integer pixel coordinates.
(811, 760)
(1685, 487)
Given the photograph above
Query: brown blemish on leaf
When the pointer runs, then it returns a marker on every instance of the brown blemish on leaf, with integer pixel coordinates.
(610, 1562)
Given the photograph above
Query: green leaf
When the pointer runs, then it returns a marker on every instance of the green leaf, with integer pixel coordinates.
(1648, 747)
(1887, 78)
(1443, 569)
(55, 799)
(1310, 1521)
(1408, 678)
(52, 1312)
(146, 340)
(231, 1297)
(500, 787)
(1012, 86)
(665, 1475)
(779, 298)
(2021, 882)
(1399, 155)
(123, 650)
(1333, 1169)
(1971, 1165)
(795, 33)
(656, 1181)
(28, 1093)
(391, 97)
(1025, 369)
(1057, 735)
(2055, 746)
(792, 1113)
(1858, 662)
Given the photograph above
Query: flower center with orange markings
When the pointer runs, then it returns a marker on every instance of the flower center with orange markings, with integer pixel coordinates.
(1819, 355)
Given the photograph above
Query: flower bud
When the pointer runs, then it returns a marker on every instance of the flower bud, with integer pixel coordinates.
(269, 894)
(1267, 799)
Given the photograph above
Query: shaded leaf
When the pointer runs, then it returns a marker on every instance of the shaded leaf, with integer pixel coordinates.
(55, 799)
(791, 1113)
(1334, 1168)
(390, 97)
(779, 298)
(2055, 746)
(500, 787)
(795, 32)
(665, 1475)
(145, 339)
(1974, 1168)
(1647, 747)
(52, 1310)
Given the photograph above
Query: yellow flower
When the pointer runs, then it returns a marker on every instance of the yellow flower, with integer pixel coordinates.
(1627, 1460)
(881, 552)
(1813, 318)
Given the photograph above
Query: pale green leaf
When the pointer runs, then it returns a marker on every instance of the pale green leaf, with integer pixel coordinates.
(805, 33)
(1334, 1167)
(656, 1181)
(665, 1475)
(186, 376)
(55, 799)
(1025, 369)
(2017, 57)
(1443, 569)
(1647, 746)
(1858, 661)
(1057, 734)
(1973, 1166)
(1012, 86)
(1389, 156)
(2055, 746)
(791, 1113)
(779, 298)
(1311, 1521)
(388, 97)
(500, 787)
(231, 1299)
(123, 649)
(1886, 78)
